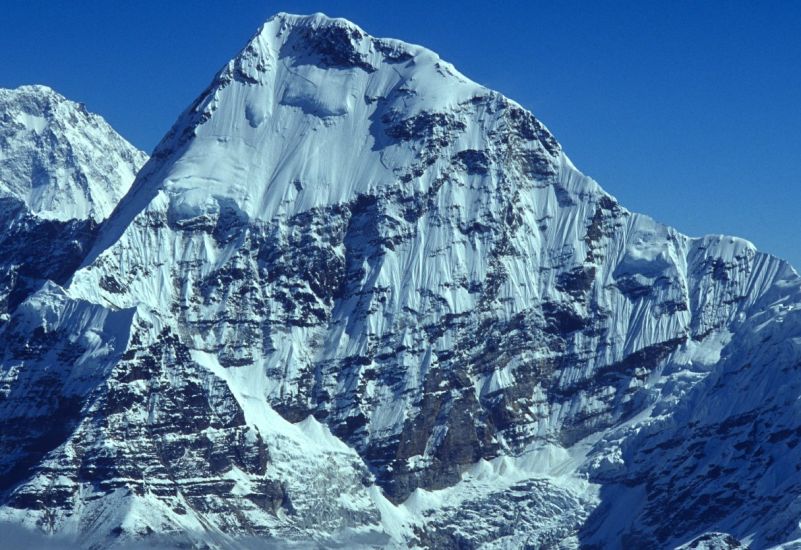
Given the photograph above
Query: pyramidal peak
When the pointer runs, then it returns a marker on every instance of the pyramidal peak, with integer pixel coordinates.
(328, 69)
(355, 296)
(314, 111)
(329, 42)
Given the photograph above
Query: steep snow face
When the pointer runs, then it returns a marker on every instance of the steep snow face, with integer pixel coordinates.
(63, 162)
(348, 266)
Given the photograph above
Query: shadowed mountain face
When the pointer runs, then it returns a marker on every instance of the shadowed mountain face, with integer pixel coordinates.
(355, 298)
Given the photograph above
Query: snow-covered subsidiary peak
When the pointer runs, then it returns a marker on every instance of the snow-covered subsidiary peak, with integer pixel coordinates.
(60, 160)
(355, 299)
(62, 171)
(314, 111)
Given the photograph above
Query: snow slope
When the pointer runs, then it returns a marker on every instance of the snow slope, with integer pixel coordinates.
(356, 298)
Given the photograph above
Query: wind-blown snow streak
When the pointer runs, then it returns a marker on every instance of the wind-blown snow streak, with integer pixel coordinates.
(354, 296)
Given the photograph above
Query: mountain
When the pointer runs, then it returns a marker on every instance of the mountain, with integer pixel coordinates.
(59, 160)
(62, 172)
(355, 299)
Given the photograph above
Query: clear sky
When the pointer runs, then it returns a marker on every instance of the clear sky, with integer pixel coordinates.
(687, 111)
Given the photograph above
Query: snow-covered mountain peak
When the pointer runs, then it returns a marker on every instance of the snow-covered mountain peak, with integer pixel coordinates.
(34, 100)
(60, 160)
(322, 40)
(312, 44)
(315, 112)
(355, 293)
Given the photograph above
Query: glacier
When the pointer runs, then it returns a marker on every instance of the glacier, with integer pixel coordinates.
(355, 299)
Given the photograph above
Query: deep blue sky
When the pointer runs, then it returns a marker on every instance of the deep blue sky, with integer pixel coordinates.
(687, 111)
